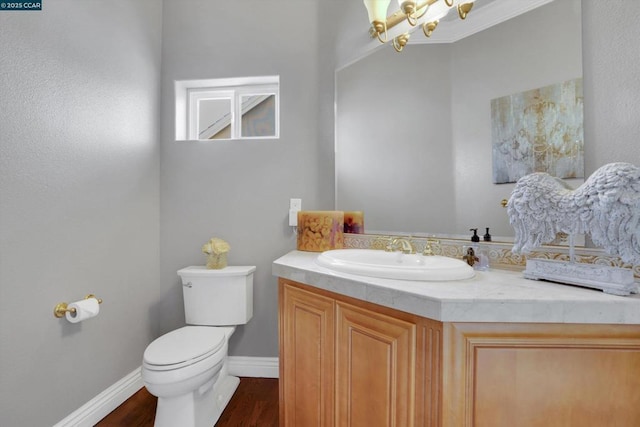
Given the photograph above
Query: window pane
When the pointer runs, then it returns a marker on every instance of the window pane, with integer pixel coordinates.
(214, 108)
(214, 119)
(258, 115)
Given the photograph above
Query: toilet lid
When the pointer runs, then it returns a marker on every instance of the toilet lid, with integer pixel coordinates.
(187, 344)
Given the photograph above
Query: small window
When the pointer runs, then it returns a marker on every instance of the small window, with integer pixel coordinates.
(237, 108)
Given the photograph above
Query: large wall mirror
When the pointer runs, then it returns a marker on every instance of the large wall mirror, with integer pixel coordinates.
(413, 129)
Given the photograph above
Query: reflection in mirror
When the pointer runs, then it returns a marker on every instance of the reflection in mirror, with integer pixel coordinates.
(413, 130)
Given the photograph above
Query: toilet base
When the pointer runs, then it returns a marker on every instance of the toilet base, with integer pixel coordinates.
(200, 408)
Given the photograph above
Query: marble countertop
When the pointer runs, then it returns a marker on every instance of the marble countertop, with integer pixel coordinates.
(491, 296)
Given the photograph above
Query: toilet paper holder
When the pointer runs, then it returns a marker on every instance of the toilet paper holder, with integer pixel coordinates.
(61, 309)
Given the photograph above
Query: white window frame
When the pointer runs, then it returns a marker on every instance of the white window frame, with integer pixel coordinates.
(189, 93)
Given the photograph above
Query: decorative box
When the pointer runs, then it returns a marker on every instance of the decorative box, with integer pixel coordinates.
(354, 222)
(320, 231)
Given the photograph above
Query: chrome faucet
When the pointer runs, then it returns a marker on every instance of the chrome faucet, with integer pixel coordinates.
(402, 244)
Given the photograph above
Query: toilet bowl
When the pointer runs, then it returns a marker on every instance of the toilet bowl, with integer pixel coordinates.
(183, 360)
(187, 368)
(184, 369)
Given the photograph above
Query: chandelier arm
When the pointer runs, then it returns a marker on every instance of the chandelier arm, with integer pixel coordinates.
(426, 8)
(386, 37)
(428, 27)
(464, 9)
(400, 42)
(397, 46)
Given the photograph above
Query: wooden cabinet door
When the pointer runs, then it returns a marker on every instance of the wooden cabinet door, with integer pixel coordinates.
(306, 323)
(375, 368)
(541, 375)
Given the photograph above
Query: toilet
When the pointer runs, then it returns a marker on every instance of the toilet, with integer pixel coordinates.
(187, 368)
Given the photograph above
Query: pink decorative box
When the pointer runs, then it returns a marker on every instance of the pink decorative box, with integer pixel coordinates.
(354, 222)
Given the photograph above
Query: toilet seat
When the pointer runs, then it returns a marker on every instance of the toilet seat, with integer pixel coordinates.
(183, 347)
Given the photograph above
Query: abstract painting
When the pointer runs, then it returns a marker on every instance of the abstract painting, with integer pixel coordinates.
(540, 130)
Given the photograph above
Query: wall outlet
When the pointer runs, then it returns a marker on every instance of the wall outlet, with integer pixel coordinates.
(295, 205)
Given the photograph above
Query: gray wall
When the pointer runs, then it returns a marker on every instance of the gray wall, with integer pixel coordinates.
(79, 184)
(611, 66)
(240, 190)
(79, 173)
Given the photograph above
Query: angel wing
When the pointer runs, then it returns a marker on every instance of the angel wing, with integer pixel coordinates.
(606, 206)
(612, 196)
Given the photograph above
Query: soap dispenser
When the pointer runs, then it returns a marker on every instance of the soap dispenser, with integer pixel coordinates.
(475, 253)
(487, 236)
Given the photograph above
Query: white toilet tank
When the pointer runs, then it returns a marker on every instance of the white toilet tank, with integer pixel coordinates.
(217, 297)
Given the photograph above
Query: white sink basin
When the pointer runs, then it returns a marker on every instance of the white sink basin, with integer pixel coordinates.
(395, 265)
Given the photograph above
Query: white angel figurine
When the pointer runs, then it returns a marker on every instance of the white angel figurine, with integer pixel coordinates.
(606, 206)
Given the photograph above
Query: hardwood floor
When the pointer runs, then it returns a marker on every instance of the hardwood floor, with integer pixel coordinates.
(254, 404)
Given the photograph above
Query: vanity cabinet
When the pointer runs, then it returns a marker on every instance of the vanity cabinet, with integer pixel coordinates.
(345, 362)
(546, 375)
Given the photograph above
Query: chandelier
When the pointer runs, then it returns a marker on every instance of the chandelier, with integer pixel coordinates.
(426, 13)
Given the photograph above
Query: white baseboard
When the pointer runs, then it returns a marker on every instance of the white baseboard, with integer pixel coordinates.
(101, 405)
(255, 367)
